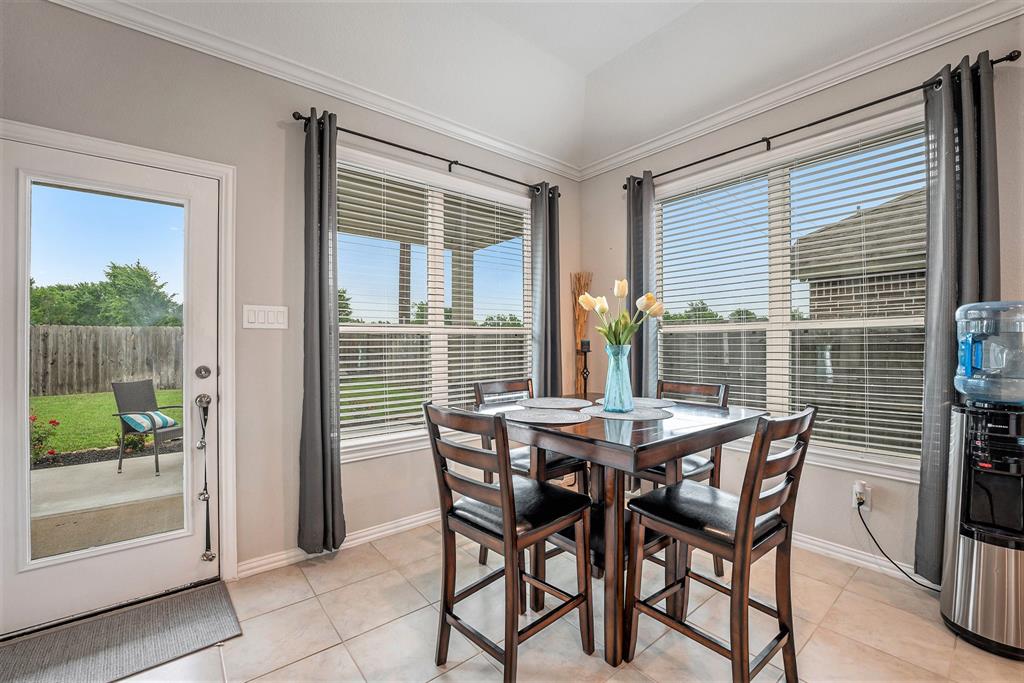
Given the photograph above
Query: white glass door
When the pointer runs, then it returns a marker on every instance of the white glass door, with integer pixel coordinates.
(108, 335)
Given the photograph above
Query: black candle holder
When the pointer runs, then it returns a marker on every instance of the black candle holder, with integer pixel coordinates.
(585, 373)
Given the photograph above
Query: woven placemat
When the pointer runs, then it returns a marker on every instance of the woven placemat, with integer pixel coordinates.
(635, 414)
(543, 416)
(555, 403)
(643, 402)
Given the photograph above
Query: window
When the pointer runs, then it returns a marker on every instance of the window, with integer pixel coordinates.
(433, 295)
(804, 283)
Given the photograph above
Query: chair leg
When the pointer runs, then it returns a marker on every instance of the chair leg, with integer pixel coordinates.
(538, 562)
(120, 452)
(513, 574)
(784, 604)
(583, 582)
(714, 480)
(156, 453)
(719, 566)
(634, 574)
(739, 627)
(522, 584)
(444, 629)
(683, 569)
(482, 559)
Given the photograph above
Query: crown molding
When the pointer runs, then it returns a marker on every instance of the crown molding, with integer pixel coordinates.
(141, 19)
(147, 21)
(969, 21)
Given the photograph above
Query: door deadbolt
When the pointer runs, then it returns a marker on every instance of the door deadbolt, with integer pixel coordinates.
(203, 371)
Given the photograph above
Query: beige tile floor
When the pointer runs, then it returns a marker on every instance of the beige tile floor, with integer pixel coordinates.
(370, 613)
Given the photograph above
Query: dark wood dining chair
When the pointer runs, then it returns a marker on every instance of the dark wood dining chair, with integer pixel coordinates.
(556, 464)
(741, 529)
(507, 517)
(694, 467)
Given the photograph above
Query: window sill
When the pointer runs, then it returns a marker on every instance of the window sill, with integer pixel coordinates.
(387, 445)
(893, 467)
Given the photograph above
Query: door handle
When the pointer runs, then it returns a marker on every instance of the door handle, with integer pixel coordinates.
(203, 402)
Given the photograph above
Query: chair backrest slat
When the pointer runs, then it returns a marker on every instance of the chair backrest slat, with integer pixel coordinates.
(469, 456)
(485, 392)
(784, 462)
(762, 465)
(773, 498)
(695, 392)
(485, 493)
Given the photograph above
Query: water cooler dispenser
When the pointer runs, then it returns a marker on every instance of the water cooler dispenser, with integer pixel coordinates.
(983, 568)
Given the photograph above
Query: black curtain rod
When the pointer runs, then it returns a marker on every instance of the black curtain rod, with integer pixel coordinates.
(1012, 56)
(451, 162)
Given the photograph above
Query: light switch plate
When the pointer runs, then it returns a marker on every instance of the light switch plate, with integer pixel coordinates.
(265, 317)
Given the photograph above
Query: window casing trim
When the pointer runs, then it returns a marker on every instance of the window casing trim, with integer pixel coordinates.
(414, 439)
(775, 167)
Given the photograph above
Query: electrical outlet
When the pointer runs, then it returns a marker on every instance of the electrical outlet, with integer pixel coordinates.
(861, 491)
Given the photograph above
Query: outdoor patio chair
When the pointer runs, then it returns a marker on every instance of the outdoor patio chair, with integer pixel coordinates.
(139, 398)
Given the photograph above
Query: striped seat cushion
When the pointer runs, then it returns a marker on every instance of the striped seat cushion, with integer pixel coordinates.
(144, 422)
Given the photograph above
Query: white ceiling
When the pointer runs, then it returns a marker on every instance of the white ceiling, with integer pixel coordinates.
(577, 88)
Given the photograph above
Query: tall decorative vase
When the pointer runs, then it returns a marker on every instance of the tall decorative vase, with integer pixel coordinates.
(618, 391)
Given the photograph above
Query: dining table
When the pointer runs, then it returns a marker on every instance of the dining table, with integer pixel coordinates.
(615, 448)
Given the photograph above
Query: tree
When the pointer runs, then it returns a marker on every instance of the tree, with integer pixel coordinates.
(502, 320)
(129, 295)
(419, 316)
(797, 314)
(345, 308)
(698, 312)
(745, 315)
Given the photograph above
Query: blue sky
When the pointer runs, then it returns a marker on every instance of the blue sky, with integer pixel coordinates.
(76, 234)
(368, 272)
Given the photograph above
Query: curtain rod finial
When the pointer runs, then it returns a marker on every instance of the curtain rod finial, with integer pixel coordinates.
(298, 117)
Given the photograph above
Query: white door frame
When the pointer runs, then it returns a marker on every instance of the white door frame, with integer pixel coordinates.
(225, 177)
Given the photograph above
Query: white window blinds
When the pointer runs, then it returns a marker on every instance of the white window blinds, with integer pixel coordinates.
(433, 296)
(804, 284)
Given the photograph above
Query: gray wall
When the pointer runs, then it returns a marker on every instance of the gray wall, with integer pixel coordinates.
(824, 510)
(65, 70)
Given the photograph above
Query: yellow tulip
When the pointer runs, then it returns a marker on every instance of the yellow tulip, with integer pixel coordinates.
(657, 310)
(645, 302)
(587, 302)
(601, 305)
(621, 288)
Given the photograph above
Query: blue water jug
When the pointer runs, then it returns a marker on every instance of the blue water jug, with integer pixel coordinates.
(991, 352)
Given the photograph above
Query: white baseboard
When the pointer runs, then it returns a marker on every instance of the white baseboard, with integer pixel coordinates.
(855, 556)
(817, 545)
(293, 555)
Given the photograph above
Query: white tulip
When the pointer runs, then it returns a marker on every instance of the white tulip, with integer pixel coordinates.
(621, 288)
(587, 302)
(657, 310)
(601, 305)
(645, 302)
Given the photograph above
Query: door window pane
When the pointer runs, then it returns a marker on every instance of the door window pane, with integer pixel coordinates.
(106, 303)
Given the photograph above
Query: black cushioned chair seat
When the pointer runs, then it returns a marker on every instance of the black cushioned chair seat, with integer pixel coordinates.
(597, 535)
(537, 504)
(693, 466)
(520, 460)
(702, 510)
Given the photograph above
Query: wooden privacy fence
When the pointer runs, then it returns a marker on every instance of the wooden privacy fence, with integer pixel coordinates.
(83, 359)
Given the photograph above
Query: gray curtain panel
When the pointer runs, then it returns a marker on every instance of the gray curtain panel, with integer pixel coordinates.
(547, 362)
(321, 517)
(640, 271)
(963, 267)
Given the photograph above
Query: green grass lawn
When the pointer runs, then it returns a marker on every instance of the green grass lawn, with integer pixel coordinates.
(85, 419)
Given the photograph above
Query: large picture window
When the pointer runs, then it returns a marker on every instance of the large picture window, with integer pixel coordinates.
(433, 295)
(804, 284)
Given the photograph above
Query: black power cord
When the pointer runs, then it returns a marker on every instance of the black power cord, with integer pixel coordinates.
(860, 504)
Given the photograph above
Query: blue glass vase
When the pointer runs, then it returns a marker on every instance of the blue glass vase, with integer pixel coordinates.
(618, 391)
